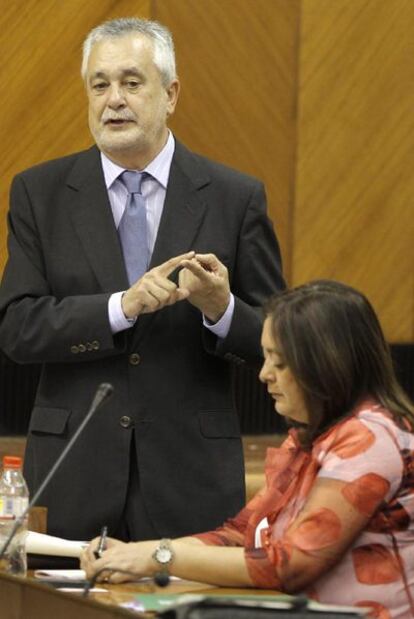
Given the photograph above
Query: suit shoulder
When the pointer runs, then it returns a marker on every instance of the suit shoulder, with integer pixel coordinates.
(54, 168)
(215, 169)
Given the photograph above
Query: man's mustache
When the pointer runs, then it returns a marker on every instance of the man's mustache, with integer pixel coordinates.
(110, 116)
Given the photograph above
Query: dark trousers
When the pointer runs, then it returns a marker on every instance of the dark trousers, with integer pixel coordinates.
(135, 523)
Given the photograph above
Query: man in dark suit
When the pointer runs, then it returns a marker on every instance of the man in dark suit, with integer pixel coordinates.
(163, 456)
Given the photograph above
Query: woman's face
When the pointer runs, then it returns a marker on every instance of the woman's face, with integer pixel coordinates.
(281, 384)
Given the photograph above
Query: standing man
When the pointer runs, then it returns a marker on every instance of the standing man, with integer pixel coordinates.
(138, 263)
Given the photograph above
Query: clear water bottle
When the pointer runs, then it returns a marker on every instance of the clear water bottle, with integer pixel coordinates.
(14, 499)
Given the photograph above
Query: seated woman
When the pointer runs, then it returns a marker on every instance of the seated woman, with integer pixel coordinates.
(335, 519)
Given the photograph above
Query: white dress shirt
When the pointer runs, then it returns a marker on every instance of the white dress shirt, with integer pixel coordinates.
(153, 190)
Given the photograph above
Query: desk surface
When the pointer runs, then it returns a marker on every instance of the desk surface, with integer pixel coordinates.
(28, 598)
(119, 594)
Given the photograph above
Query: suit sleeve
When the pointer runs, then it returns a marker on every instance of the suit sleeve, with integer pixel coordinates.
(35, 325)
(257, 274)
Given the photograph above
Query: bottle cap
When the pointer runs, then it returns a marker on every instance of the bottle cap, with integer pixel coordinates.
(12, 462)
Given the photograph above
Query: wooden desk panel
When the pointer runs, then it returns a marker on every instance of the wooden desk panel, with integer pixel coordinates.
(25, 598)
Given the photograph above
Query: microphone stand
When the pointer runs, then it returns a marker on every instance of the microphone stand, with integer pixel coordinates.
(103, 392)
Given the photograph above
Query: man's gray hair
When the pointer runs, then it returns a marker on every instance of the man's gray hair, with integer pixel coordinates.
(164, 55)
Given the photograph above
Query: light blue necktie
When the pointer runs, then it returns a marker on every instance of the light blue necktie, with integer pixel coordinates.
(132, 229)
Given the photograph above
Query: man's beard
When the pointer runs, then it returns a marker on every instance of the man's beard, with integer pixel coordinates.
(118, 142)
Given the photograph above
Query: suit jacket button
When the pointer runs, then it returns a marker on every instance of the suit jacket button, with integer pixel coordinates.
(89, 346)
(125, 421)
(82, 348)
(95, 345)
(134, 359)
(74, 350)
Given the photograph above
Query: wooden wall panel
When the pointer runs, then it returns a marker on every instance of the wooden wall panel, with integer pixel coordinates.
(354, 213)
(324, 115)
(44, 113)
(237, 65)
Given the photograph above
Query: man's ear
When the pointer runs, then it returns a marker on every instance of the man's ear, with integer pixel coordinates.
(173, 90)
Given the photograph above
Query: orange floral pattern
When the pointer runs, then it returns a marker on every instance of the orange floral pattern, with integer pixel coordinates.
(320, 530)
(338, 522)
(375, 564)
(377, 610)
(366, 492)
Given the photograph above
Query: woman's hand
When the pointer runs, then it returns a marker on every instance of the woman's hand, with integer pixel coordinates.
(193, 560)
(120, 562)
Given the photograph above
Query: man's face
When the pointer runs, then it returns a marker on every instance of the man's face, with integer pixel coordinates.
(128, 104)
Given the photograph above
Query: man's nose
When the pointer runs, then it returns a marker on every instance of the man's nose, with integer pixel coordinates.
(116, 97)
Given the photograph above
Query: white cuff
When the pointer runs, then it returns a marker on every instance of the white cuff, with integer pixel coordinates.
(117, 318)
(222, 326)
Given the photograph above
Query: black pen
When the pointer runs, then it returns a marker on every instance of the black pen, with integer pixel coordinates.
(102, 543)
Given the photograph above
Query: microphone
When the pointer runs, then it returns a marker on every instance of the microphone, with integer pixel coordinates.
(161, 579)
(102, 393)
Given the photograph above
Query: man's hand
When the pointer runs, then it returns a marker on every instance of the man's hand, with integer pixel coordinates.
(206, 280)
(154, 290)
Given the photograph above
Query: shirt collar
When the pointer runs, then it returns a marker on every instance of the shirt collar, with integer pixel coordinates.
(158, 168)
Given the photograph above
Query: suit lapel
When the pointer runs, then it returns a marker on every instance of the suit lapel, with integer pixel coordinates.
(183, 210)
(92, 218)
(93, 221)
(181, 218)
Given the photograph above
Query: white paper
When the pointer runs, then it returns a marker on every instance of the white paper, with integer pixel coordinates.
(41, 544)
(60, 575)
(70, 589)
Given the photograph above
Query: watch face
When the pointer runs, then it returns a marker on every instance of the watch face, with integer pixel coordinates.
(164, 555)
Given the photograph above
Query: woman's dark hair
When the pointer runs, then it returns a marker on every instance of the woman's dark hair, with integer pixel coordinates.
(329, 336)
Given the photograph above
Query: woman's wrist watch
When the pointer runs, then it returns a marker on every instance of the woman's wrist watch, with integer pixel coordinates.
(164, 553)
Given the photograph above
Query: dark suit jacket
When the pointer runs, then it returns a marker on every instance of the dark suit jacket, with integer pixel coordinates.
(172, 401)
